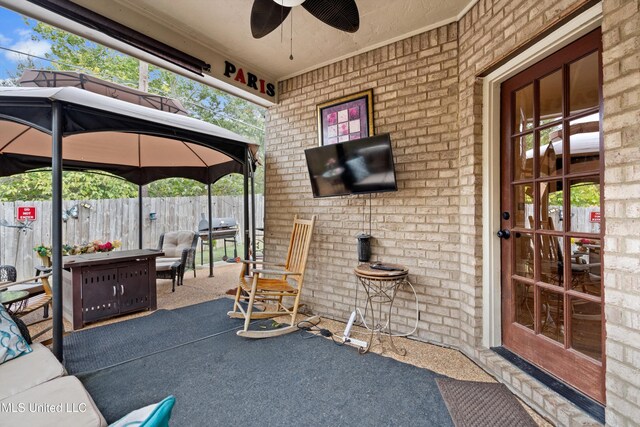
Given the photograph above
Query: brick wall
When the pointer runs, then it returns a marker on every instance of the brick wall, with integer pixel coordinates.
(428, 96)
(621, 76)
(415, 85)
(490, 31)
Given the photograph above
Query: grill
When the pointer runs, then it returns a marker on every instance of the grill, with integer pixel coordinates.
(225, 229)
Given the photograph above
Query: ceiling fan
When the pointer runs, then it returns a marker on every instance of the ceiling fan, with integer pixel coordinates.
(267, 15)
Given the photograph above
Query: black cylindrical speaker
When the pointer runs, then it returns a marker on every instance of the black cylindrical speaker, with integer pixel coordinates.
(364, 247)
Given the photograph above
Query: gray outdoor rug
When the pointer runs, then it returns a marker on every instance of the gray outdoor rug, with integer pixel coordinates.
(288, 380)
(478, 404)
(96, 348)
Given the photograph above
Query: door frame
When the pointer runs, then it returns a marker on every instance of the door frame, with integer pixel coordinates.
(491, 166)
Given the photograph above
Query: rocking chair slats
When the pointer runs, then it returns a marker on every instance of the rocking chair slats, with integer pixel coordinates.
(268, 292)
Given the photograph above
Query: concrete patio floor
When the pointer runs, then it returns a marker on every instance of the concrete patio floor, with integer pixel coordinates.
(445, 361)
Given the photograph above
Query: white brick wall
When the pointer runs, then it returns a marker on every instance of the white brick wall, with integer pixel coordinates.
(621, 75)
(428, 96)
(415, 99)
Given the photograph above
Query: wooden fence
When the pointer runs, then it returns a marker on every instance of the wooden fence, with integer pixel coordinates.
(580, 219)
(112, 219)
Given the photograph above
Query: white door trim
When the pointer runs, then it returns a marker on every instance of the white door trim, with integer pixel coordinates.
(569, 32)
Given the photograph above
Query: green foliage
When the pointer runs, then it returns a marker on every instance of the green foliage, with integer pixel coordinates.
(75, 185)
(90, 186)
(230, 185)
(74, 53)
(585, 195)
(176, 187)
(70, 52)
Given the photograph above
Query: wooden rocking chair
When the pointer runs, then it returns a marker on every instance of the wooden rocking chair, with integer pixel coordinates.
(269, 292)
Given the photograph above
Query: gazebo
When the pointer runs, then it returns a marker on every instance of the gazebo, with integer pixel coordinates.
(71, 128)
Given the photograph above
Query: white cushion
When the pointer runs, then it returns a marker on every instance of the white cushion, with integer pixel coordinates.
(29, 370)
(60, 402)
(162, 260)
(164, 266)
(175, 241)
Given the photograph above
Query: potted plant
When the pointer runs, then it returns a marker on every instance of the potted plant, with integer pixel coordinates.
(44, 252)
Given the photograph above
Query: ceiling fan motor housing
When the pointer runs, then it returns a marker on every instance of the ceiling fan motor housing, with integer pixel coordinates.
(267, 15)
(289, 3)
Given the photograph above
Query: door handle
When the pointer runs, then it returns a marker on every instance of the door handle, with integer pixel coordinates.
(115, 291)
(503, 234)
(121, 289)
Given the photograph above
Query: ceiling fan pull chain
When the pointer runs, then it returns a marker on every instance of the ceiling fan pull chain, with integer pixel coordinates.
(291, 55)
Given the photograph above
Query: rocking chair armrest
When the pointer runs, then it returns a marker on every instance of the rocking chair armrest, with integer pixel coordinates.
(30, 279)
(246, 266)
(278, 272)
(275, 264)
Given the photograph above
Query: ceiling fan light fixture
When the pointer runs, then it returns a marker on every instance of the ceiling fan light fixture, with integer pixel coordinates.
(289, 3)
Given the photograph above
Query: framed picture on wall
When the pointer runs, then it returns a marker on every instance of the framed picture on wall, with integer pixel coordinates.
(346, 118)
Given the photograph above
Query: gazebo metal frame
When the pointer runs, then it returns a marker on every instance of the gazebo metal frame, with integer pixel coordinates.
(69, 111)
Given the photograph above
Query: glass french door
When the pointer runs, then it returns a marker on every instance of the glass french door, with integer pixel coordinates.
(551, 215)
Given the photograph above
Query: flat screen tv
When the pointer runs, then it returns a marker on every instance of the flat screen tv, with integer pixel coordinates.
(354, 167)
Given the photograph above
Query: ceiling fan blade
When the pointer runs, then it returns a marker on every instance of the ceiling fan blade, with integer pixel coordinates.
(266, 16)
(340, 14)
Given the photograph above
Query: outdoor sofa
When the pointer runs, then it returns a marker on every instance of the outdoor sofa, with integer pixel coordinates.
(35, 391)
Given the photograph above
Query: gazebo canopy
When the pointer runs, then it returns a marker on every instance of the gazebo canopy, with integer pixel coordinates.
(49, 78)
(71, 128)
(137, 143)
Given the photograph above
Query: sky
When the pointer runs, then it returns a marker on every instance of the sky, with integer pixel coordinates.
(16, 34)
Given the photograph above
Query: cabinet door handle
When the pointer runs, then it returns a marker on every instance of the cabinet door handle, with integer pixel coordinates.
(121, 289)
(115, 291)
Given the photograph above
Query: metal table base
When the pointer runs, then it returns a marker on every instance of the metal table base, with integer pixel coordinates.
(381, 288)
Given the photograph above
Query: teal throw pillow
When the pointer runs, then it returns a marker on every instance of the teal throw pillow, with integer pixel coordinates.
(156, 415)
(12, 344)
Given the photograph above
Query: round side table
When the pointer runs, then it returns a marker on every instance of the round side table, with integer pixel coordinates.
(381, 287)
(8, 298)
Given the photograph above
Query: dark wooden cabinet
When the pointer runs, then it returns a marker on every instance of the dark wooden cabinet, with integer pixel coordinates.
(132, 296)
(99, 294)
(102, 285)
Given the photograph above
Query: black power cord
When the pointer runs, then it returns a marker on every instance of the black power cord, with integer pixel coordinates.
(307, 326)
